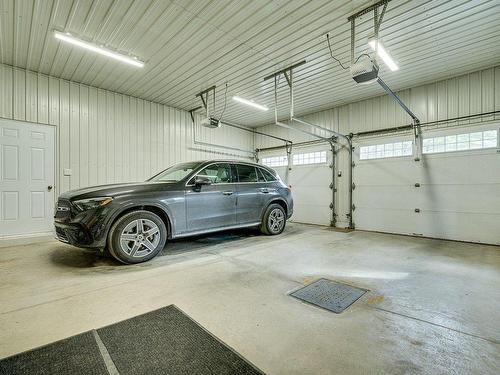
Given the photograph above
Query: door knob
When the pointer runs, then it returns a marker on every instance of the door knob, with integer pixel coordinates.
(49, 188)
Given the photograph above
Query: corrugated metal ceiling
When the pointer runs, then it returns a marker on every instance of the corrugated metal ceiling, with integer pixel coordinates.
(189, 45)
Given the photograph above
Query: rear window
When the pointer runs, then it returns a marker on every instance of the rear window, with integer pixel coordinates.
(267, 175)
(246, 173)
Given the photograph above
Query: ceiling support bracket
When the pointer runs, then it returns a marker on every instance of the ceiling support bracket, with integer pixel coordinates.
(204, 96)
(377, 21)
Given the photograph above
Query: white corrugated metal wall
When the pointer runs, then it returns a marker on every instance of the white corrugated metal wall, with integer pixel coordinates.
(105, 137)
(477, 92)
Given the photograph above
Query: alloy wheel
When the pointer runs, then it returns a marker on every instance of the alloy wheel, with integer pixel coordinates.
(139, 238)
(276, 220)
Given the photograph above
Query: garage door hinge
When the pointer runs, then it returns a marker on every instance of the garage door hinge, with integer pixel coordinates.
(353, 207)
(417, 210)
(353, 186)
(353, 164)
(331, 206)
(417, 184)
(331, 185)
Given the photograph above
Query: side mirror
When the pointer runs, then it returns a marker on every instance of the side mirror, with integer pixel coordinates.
(199, 181)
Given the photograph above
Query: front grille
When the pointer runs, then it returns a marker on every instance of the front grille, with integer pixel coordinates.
(61, 235)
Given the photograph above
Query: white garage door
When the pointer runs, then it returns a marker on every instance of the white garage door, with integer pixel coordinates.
(453, 193)
(310, 179)
(26, 178)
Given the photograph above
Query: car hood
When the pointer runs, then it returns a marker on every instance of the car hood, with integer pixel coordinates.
(114, 190)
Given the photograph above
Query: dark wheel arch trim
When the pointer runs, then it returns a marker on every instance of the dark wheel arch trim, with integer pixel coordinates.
(279, 201)
(147, 206)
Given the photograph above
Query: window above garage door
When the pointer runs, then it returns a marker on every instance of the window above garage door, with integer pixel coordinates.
(461, 142)
(275, 161)
(386, 150)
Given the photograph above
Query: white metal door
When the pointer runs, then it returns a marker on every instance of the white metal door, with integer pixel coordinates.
(450, 195)
(26, 178)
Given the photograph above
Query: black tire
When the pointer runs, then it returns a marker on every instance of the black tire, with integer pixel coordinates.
(269, 223)
(128, 244)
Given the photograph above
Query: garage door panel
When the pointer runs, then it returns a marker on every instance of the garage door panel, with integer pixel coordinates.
(475, 227)
(311, 176)
(311, 214)
(313, 195)
(461, 169)
(386, 220)
(380, 172)
(310, 184)
(384, 196)
(460, 198)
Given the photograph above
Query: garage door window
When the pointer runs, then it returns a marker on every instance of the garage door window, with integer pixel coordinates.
(310, 158)
(275, 161)
(461, 142)
(387, 150)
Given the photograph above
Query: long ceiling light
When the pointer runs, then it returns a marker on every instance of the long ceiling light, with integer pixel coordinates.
(383, 54)
(251, 103)
(66, 37)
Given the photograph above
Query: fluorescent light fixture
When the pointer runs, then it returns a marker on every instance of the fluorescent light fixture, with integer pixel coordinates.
(66, 37)
(251, 103)
(383, 55)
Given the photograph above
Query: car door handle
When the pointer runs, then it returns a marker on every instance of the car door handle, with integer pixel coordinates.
(227, 192)
(264, 190)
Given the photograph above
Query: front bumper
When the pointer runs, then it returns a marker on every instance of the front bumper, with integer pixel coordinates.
(82, 229)
(74, 234)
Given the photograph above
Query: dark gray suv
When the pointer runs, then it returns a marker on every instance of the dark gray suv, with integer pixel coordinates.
(133, 221)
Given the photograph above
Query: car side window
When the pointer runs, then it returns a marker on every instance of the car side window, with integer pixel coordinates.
(260, 176)
(219, 173)
(268, 175)
(246, 173)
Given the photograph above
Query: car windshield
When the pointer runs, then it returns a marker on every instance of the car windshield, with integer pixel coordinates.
(175, 173)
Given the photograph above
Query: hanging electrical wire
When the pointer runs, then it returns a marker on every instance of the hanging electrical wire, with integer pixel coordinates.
(225, 104)
(331, 53)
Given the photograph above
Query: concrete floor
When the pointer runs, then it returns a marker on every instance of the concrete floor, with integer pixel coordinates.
(433, 306)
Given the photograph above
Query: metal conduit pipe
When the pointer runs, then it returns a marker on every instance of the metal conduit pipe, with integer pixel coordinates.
(201, 143)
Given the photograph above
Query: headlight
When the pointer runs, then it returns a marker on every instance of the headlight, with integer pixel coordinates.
(89, 204)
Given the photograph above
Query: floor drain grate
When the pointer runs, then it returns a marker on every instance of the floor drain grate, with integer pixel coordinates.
(329, 295)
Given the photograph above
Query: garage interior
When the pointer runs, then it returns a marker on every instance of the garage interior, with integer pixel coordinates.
(383, 117)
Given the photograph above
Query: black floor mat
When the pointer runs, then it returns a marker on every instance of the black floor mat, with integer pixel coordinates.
(167, 341)
(164, 341)
(75, 355)
(330, 295)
